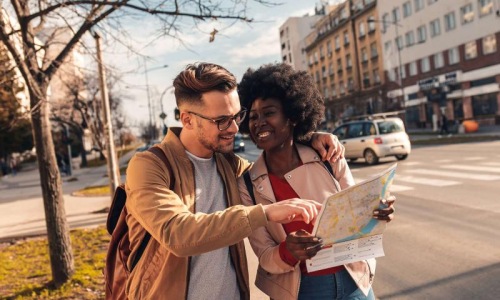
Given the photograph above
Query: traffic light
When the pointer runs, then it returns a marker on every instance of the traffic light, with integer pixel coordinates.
(177, 114)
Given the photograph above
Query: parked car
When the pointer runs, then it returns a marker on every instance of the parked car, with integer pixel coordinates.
(148, 145)
(239, 144)
(373, 139)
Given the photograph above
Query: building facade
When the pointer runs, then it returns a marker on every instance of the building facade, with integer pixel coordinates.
(344, 59)
(442, 57)
(292, 35)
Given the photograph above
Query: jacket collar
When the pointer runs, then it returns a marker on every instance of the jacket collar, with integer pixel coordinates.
(173, 142)
(307, 155)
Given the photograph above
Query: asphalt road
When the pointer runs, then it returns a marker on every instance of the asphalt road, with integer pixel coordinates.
(444, 242)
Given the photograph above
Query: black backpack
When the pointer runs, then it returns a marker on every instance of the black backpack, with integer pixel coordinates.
(116, 271)
(248, 181)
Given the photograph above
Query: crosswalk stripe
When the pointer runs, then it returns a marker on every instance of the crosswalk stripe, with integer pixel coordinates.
(473, 158)
(491, 164)
(472, 168)
(444, 161)
(394, 187)
(425, 181)
(455, 174)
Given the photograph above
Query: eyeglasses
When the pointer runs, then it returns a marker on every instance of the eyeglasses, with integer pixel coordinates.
(224, 122)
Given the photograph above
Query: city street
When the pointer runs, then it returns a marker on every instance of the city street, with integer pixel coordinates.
(444, 242)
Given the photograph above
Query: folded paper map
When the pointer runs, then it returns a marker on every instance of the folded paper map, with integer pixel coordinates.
(346, 223)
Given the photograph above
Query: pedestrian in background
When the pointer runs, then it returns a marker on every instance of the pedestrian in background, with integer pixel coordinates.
(284, 108)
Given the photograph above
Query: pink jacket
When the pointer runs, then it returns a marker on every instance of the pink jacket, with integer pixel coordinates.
(311, 181)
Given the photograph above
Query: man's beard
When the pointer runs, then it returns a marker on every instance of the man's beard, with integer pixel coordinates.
(214, 146)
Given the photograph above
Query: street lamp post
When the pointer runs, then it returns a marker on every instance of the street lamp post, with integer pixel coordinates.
(163, 115)
(150, 111)
(400, 73)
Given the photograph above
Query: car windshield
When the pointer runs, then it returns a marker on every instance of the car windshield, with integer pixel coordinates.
(389, 127)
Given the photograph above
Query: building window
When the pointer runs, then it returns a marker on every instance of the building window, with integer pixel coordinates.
(484, 104)
(489, 44)
(453, 56)
(396, 16)
(387, 47)
(337, 42)
(350, 84)
(362, 29)
(391, 74)
(485, 7)
(323, 72)
(339, 65)
(371, 25)
(421, 34)
(413, 68)
(326, 93)
(385, 22)
(399, 42)
(330, 69)
(410, 38)
(419, 5)
(346, 38)
(438, 60)
(425, 65)
(348, 61)
(376, 76)
(467, 13)
(406, 9)
(342, 87)
(373, 50)
(317, 76)
(321, 52)
(311, 60)
(366, 79)
(449, 21)
(402, 72)
(435, 28)
(364, 55)
(334, 90)
(470, 50)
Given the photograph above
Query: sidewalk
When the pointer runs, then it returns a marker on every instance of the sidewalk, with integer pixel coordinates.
(21, 203)
(428, 137)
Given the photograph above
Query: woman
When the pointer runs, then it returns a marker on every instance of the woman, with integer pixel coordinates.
(285, 108)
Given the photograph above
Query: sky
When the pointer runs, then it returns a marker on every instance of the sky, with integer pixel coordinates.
(236, 47)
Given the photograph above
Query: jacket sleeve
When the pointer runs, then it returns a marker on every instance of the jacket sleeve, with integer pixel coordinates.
(163, 213)
(342, 173)
(264, 246)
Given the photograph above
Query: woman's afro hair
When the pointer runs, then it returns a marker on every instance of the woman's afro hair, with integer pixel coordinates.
(301, 101)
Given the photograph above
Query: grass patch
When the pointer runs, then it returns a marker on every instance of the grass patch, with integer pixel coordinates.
(93, 191)
(25, 271)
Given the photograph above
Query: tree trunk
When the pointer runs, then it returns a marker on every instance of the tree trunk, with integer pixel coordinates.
(61, 255)
(83, 153)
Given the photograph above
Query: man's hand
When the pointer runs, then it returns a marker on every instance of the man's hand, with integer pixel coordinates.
(292, 210)
(302, 245)
(386, 213)
(322, 141)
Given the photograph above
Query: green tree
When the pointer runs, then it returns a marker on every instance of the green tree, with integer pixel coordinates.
(22, 20)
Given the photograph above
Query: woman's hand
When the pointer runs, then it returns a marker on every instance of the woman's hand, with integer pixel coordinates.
(386, 213)
(328, 146)
(302, 245)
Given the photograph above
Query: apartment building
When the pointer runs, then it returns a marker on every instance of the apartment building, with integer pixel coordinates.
(343, 58)
(292, 35)
(442, 57)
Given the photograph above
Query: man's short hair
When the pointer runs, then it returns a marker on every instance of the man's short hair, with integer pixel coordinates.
(200, 78)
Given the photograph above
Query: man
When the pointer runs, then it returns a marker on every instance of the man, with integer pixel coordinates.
(198, 226)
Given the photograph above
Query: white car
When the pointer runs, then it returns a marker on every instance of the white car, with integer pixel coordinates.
(373, 139)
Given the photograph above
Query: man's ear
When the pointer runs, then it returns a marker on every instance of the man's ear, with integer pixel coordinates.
(186, 120)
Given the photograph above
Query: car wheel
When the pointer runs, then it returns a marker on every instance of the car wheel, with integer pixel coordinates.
(242, 149)
(370, 157)
(401, 156)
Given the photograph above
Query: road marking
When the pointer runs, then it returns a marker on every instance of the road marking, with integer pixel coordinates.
(444, 161)
(473, 158)
(412, 163)
(472, 168)
(491, 164)
(425, 181)
(394, 187)
(455, 174)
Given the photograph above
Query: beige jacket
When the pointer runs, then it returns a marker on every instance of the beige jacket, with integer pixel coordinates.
(311, 181)
(177, 231)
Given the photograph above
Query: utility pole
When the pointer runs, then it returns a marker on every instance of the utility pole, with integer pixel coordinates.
(113, 170)
(152, 130)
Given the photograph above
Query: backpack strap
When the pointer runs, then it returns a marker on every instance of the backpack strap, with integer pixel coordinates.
(330, 170)
(147, 236)
(248, 183)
